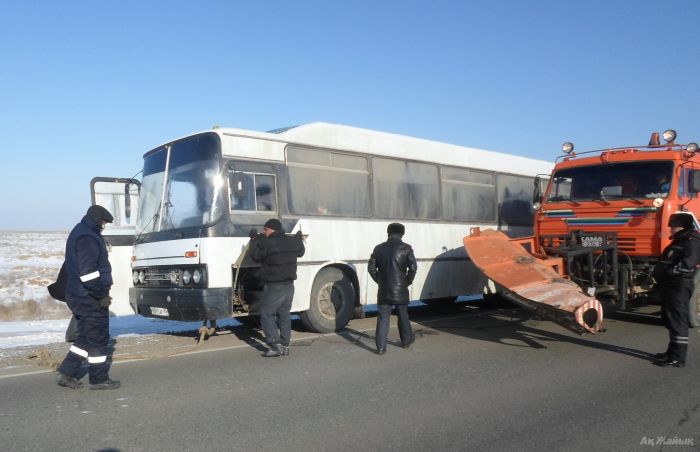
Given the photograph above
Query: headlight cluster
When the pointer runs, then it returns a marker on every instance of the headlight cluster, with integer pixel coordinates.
(138, 276)
(159, 277)
(189, 276)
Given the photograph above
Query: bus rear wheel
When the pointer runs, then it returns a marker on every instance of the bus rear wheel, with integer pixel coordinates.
(332, 302)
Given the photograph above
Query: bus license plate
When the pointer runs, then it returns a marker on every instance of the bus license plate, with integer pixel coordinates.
(163, 312)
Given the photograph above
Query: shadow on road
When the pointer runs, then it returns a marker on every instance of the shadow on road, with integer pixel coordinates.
(508, 328)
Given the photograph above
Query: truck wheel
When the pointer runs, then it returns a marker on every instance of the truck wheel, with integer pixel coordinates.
(332, 302)
(694, 305)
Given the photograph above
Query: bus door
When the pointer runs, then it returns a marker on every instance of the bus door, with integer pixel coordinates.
(121, 197)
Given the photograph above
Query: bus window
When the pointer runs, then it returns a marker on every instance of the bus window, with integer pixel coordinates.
(327, 183)
(468, 195)
(265, 193)
(405, 189)
(514, 200)
(252, 192)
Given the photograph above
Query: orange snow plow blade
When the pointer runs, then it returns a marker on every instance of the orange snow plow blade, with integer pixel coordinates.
(535, 284)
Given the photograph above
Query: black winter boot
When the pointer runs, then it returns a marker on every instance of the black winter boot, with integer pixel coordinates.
(107, 384)
(273, 351)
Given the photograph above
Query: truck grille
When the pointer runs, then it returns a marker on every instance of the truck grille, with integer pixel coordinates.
(161, 276)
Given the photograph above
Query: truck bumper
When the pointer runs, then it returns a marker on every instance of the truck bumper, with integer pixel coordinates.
(181, 304)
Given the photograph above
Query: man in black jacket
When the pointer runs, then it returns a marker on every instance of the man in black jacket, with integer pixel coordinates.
(392, 266)
(674, 274)
(88, 281)
(278, 254)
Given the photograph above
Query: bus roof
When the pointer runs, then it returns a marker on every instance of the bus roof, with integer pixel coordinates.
(246, 143)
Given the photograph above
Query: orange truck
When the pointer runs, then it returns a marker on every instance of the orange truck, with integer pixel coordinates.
(605, 214)
(600, 225)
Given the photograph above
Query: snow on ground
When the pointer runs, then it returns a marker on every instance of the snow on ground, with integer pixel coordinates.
(29, 261)
(41, 332)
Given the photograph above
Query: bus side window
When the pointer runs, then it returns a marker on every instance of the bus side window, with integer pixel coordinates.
(265, 193)
(242, 192)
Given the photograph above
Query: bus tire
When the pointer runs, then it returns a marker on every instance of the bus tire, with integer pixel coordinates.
(694, 305)
(332, 302)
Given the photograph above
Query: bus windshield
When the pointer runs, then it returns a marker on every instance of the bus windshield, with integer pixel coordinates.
(188, 192)
(634, 180)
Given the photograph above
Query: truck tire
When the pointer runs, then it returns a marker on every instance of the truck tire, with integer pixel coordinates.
(332, 302)
(694, 305)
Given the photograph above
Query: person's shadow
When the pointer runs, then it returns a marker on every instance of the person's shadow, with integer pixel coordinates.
(356, 338)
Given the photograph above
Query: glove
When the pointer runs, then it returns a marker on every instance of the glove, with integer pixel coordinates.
(105, 301)
(253, 233)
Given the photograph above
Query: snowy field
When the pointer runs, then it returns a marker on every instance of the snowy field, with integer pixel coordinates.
(29, 261)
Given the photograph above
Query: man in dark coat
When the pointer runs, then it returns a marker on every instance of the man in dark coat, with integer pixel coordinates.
(392, 266)
(674, 274)
(88, 281)
(278, 255)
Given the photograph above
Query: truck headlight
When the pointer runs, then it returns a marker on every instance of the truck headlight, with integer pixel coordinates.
(669, 136)
(142, 277)
(135, 277)
(197, 276)
(186, 276)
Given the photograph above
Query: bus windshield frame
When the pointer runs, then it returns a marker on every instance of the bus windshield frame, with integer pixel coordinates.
(182, 185)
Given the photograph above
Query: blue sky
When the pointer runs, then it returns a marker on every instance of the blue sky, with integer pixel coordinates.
(86, 87)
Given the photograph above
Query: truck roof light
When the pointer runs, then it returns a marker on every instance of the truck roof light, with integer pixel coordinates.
(692, 148)
(654, 140)
(568, 147)
(669, 136)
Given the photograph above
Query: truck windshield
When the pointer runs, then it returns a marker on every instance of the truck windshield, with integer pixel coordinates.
(634, 180)
(185, 194)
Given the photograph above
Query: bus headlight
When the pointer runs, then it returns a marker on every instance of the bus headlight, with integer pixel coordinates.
(142, 277)
(186, 276)
(135, 277)
(669, 136)
(197, 276)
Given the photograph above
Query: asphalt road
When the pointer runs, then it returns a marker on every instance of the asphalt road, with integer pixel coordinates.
(474, 380)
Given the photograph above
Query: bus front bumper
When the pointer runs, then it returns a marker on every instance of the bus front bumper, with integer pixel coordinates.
(181, 304)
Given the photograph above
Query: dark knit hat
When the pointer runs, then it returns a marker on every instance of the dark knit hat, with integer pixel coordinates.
(273, 223)
(395, 228)
(98, 214)
(681, 220)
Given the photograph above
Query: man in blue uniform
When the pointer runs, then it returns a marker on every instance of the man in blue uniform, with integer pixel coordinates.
(88, 280)
(392, 266)
(674, 273)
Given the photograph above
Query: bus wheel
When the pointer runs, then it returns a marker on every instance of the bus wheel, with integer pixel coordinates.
(332, 302)
(694, 305)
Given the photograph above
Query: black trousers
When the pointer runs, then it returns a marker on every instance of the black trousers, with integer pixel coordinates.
(405, 330)
(92, 341)
(674, 312)
(275, 319)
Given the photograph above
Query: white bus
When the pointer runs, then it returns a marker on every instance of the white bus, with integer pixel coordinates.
(200, 195)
